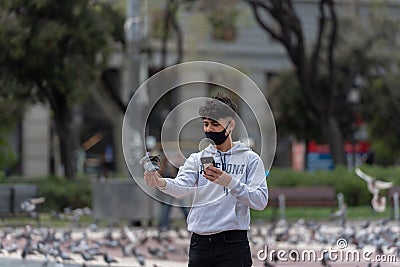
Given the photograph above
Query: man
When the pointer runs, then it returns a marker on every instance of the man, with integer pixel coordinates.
(223, 192)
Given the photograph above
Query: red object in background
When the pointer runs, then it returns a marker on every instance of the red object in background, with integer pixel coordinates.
(313, 147)
(360, 147)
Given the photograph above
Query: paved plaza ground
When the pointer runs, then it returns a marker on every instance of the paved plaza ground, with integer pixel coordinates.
(293, 241)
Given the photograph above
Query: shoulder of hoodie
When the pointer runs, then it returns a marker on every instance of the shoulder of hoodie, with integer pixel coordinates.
(253, 155)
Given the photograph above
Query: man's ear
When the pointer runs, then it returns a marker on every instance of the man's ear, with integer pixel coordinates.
(231, 126)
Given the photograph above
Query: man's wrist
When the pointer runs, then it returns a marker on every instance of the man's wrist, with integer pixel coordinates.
(232, 183)
(162, 184)
(224, 179)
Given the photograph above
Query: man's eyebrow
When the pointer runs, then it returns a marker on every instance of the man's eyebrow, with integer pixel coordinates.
(210, 120)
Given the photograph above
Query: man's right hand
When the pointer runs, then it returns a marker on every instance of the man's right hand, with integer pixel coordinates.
(154, 179)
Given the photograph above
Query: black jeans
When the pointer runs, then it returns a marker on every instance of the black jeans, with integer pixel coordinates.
(225, 249)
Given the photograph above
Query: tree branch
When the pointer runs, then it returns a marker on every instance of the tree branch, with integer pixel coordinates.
(164, 40)
(290, 25)
(318, 43)
(254, 5)
(109, 88)
(178, 31)
(331, 48)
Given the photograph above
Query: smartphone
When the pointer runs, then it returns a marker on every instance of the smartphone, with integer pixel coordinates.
(206, 162)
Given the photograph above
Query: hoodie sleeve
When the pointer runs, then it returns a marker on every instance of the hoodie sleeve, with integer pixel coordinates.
(185, 180)
(254, 192)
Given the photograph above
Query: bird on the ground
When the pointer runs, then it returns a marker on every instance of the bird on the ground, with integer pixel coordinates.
(141, 260)
(130, 235)
(139, 257)
(27, 250)
(58, 264)
(108, 259)
(11, 248)
(325, 259)
(64, 256)
(46, 261)
(159, 253)
(87, 257)
(340, 214)
(365, 225)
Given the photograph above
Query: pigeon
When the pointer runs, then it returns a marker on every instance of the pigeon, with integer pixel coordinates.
(11, 248)
(373, 184)
(29, 205)
(64, 256)
(150, 163)
(46, 261)
(87, 257)
(139, 257)
(157, 252)
(325, 259)
(341, 214)
(378, 203)
(109, 259)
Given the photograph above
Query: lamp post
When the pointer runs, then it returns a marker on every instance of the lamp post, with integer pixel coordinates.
(134, 31)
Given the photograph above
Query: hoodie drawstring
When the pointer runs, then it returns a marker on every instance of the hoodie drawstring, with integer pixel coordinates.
(223, 162)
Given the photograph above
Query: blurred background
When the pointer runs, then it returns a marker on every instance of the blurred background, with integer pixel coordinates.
(329, 70)
(68, 70)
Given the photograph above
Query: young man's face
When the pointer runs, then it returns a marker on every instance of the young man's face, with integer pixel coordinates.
(210, 125)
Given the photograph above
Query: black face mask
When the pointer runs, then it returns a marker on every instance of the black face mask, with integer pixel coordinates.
(218, 137)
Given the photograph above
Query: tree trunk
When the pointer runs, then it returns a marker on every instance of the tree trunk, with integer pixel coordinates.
(331, 131)
(62, 119)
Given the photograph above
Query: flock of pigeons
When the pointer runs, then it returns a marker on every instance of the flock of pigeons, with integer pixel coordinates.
(89, 244)
(80, 245)
(86, 245)
(378, 237)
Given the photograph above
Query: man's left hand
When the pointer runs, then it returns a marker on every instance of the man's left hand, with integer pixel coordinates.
(217, 176)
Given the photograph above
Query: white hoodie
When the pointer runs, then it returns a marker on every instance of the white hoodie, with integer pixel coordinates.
(216, 208)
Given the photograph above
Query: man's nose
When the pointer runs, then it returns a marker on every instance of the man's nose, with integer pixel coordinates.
(208, 129)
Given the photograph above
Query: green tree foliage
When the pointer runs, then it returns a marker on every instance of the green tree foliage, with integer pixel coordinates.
(291, 110)
(382, 112)
(11, 109)
(366, 58)
(324, 81)
(56, 49)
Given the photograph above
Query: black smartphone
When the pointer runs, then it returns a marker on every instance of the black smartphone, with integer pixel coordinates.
(206, 162)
